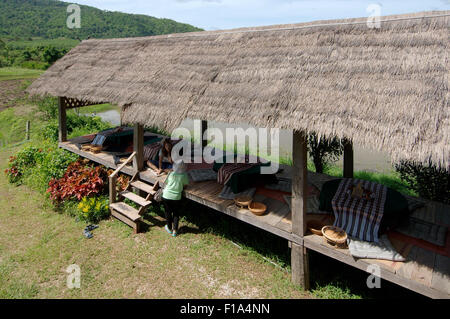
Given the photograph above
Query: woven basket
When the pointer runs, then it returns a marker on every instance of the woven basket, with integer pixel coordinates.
(243, 201)
(96, 149)
(257, 208)
(315, 227)
(334, 235)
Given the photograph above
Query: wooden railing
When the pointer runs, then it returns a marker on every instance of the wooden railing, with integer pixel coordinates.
(113, 179)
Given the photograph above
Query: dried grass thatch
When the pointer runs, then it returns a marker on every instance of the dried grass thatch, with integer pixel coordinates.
(383, 88)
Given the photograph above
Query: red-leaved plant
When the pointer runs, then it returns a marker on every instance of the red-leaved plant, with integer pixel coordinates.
(79, 181)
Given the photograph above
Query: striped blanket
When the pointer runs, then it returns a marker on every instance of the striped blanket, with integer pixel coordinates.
(359, 217)
(151, 150)
(227, 170)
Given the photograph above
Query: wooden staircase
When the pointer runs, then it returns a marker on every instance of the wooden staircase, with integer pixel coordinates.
(124, 212)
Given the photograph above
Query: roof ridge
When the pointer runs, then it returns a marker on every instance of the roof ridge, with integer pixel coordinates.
(249, 30)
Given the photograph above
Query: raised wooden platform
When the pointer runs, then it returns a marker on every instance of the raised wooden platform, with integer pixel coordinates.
(424, 271)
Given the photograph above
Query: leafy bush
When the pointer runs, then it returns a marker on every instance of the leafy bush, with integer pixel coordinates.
(323, 151)
(35, 65)
(76, 126)
(429, 181)
(22, 161)
(48, 106)
(93, 209)
(38, 165)
(78, 181)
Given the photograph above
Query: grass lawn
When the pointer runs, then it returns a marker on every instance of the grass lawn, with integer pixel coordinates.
(14, 73)
(97, 108)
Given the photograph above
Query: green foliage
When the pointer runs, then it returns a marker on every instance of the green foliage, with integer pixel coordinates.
(47, 19)
(428, 181)
(51, 54)
(79, 181)
(38, 165)
(48, 106)
(93, 209)
(77, 125)
(323, 151)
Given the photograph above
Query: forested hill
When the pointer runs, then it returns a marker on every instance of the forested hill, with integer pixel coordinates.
(47, 19)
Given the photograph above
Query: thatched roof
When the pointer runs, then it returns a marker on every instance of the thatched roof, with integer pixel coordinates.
(385, 88)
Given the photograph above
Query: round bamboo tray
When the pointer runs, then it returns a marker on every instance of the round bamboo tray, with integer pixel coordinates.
(257, 208)
(315, 227)
(243, 201)
(334, 235)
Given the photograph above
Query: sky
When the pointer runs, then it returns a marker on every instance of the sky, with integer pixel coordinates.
(228, 14)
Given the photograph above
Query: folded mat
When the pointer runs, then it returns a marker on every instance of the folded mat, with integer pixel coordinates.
(382, 250)
(420, 229)
(227, 193)
(200, 175)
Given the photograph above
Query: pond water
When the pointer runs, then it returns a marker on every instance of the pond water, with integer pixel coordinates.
(365, 159)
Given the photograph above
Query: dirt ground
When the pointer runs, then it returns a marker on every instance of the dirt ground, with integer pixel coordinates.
(10, 91)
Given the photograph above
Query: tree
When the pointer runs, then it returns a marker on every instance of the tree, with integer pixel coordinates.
(428, 181)
(51, 54)
(323, 151)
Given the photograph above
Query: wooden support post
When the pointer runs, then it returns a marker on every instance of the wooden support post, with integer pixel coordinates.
(138, 146)
(62, 118)
(27, 131)
(299, 183)
(300, 265)
(299, 254)
(204, 128)
(348, 159)
(112, 190)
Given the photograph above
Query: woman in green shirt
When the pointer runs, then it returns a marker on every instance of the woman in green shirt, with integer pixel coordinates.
(171, 196)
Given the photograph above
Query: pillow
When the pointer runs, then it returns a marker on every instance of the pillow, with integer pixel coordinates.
(327, 193)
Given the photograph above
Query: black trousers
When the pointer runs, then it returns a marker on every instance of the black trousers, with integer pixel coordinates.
(171, 208)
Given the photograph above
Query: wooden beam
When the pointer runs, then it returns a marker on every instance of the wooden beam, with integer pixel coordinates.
(138, 147)
(299, 183)
(348, 159)
(299, 254)
(204, 128)
(62, 119)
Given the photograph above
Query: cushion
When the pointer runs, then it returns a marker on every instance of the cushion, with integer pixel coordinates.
(200, 175)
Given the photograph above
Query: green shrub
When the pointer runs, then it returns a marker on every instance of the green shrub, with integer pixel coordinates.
(21, 162)
(428, 181)
(50, 131)
(77, 125)
(48, 106)
(35, 65)
(93, 209)
(38, 165)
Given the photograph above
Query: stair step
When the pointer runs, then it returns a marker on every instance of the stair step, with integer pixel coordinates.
(143, 187)
(126, 210)
(136, 198)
